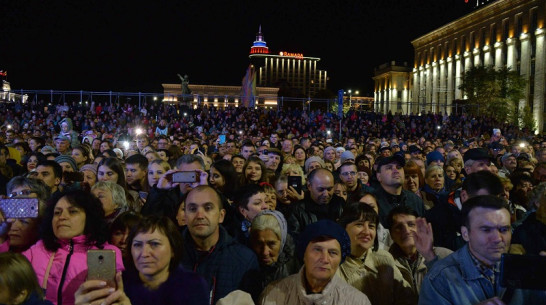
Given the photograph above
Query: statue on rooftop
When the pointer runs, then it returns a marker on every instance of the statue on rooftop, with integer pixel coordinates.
(185, 81)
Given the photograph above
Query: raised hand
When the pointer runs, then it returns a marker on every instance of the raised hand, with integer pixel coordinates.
(424, 239)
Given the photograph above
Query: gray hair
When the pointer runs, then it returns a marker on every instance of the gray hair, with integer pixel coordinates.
(118, 193)
(469, 163)
(189, 159)
(433, 168)
(313, 159)
(37, 186)
(271, 220)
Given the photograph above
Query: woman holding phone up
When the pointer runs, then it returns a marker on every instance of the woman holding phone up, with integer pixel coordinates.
(73, 223)
(156, 277)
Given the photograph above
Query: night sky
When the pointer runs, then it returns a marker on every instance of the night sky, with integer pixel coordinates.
(131, 46)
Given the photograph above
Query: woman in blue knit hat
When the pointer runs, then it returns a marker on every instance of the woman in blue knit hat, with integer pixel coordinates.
(322, 246)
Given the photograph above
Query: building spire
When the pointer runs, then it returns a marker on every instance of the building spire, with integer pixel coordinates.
(259, 46)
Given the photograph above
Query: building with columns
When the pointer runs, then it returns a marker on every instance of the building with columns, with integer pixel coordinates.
(289, 68)
(503, 33)
(218, 95)
(392, 87)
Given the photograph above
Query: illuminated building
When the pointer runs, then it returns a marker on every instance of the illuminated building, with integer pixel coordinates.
(290, 68)
(6, 95)
(503, 33)
(391, 90)
(219, 96)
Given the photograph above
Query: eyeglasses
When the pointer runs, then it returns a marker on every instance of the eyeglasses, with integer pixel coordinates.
(21, 193)
(346, 174)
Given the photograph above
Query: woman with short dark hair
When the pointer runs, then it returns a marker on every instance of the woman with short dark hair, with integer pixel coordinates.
(157, 277)
(369, 269)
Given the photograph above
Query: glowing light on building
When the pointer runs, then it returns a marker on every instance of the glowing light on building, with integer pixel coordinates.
(290, 54)
(259, 46)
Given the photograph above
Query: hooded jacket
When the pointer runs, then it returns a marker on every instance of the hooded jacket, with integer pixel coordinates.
(71, 134)
(68, 269)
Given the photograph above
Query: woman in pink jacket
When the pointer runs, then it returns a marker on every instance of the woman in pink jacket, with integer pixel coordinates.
(74, 223)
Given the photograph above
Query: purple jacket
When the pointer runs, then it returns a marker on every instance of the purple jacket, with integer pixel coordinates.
(76, 272)
(182, 287)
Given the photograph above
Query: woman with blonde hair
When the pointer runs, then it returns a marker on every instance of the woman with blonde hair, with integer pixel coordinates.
(293, 170)
(156, 169)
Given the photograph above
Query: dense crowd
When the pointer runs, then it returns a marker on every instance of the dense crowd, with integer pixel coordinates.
(263, 206)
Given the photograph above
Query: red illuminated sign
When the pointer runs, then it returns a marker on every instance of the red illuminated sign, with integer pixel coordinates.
(289, 54)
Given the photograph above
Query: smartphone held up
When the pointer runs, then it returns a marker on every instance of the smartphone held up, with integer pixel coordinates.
(185, 177)
(19, 207)
(101, 265)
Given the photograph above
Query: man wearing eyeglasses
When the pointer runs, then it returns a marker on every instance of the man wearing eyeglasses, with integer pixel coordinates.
(347, 175)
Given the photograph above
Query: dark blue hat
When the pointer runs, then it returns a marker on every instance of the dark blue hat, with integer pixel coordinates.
(414, 149)
(434, 156)
(324, 227)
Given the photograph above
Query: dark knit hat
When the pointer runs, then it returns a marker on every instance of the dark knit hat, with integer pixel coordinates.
(364, 168)
(67, 159)
(324, 227)
(434, 156)
(89, 167)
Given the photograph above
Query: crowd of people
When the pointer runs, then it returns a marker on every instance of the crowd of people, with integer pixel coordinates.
(262, 206)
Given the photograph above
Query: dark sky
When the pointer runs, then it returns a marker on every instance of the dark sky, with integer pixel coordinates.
(132, 46)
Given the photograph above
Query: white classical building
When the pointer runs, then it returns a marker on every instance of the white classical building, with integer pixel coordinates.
(503, 33)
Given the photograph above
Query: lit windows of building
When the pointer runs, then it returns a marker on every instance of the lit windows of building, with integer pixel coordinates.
(502, 33)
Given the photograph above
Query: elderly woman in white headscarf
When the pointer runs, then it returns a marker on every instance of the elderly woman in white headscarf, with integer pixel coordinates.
(270, 240)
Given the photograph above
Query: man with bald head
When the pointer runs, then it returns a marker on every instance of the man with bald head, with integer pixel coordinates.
(319, 202)
(208, 248)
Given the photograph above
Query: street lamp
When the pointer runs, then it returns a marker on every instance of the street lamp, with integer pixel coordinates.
(351, 96)
(311, 84)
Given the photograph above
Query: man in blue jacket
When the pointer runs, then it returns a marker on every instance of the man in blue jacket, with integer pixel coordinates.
(208, 248)
(471, 274)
